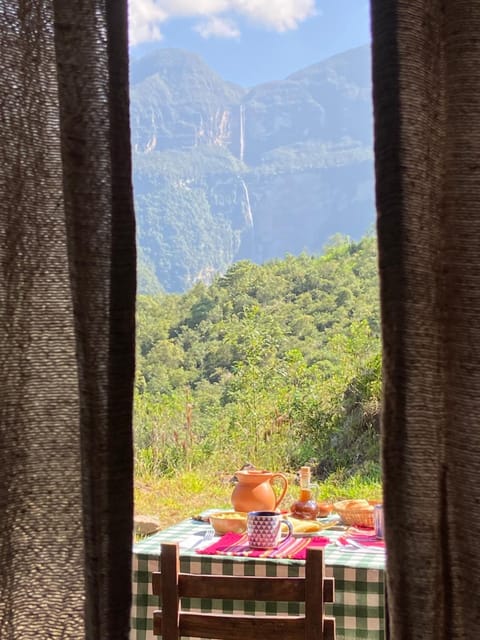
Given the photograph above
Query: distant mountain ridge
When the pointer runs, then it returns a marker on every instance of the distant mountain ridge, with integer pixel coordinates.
(222, 173)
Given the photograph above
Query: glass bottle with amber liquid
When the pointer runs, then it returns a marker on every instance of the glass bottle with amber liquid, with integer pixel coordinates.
(306, 507)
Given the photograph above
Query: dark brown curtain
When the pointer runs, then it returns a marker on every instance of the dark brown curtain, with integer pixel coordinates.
(426, 73)
(67, 293)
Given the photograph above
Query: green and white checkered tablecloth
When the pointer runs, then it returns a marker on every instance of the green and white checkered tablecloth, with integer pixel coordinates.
(359, 590)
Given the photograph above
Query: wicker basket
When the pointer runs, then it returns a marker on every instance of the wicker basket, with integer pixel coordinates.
(353, 514)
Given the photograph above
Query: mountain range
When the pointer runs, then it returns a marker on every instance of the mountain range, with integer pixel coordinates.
(223, 173)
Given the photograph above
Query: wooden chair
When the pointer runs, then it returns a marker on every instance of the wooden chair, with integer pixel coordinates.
(314, 590)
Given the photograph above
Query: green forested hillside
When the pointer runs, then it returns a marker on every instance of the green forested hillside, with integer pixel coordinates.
(276, 364)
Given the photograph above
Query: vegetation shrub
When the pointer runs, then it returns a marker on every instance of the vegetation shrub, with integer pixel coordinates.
(276, 364)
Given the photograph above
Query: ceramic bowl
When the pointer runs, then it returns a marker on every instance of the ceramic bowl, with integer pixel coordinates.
(325, 508)
(228, 522)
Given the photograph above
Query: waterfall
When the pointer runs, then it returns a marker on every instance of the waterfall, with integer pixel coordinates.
(248, 242)
(247, 211)
(242, 135)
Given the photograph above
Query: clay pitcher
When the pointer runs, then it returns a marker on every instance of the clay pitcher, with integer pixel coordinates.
(254, 490)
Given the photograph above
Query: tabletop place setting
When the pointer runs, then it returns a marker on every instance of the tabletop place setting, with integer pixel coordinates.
(257, 527)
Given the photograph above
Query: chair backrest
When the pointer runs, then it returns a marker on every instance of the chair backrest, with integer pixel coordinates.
(314, 590)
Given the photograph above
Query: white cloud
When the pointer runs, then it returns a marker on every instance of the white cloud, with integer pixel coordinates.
(146, 16)
(280, 15)
(216, 27)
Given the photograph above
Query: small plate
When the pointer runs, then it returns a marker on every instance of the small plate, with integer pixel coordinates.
(320, 525)
(307, 534)
(312, 534)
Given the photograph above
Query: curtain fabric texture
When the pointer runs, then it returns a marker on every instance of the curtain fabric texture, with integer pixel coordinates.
(426, 77)
(67, 296)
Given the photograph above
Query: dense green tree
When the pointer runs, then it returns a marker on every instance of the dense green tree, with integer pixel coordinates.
(277, 364)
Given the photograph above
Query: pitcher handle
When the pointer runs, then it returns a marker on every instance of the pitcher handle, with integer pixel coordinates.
(285, 487)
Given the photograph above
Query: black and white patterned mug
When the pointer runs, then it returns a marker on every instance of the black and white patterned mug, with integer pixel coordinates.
(264, 529)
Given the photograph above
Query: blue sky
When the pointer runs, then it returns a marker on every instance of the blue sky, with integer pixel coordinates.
(251, 41)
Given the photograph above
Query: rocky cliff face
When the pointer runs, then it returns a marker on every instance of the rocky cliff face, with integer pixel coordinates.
(300, 210)
(178, 102)
(222, 174)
